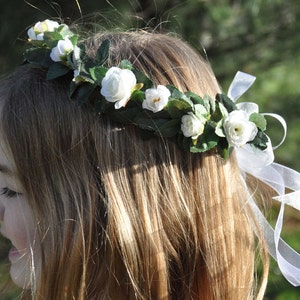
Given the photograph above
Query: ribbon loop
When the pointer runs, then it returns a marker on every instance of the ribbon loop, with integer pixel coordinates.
(283, 123)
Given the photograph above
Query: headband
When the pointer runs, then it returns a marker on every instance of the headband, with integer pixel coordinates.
(197, 124)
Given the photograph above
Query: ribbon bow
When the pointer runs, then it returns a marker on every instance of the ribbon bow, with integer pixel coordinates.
(261, 165)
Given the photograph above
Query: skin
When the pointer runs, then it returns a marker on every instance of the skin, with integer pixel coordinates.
(17, 224)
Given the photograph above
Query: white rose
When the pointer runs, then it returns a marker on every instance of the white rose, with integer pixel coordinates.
(37, 31)
(156, 98)
(191, 126)
(63, 48)
(238, 129)
(117, 86)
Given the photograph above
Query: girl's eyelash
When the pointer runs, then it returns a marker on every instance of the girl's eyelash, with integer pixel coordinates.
(8, 192)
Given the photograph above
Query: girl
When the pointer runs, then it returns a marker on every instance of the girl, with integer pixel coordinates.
(96, 208)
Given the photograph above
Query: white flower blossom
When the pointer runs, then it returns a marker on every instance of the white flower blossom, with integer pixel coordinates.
(238, 129)
(191, 125)
(63, 48)
(37, 31)
(156, 98)
(117, 86)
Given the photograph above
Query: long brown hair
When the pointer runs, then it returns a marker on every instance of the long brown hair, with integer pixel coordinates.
(121, 217)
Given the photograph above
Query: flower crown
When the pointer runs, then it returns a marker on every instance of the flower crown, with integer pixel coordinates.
(128, 96)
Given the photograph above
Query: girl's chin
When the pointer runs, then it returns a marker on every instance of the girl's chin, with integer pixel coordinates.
(20, 270)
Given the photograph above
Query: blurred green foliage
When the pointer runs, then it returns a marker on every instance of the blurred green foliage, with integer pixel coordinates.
(260, 37)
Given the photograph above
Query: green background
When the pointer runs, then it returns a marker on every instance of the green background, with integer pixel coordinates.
(260, 37)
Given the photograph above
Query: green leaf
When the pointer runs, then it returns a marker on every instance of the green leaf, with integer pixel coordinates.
(102, 53)
(227, 102)
(163, 114)
(145, 122)
(201, 112)
(206, 141)
(83, 92)
(142, 78)
(64, 31)
(124, 115)
(86, 61)
(260, 141)
(218, 114)
(57, 70)
(39, 57)
(97, 74)
(203, 146)
(222, 109)
(223, 148)
(73, 39)
(84, 77)
(82, 50)
(37, 44)
(177, 107)
(125, 64)
(177, 94)
(194, 98)
(259, 120)
(74, 61)
(219, 129)
(137, 96)
(169, 128)
(209, 103)
(100, 104)
(51, 38)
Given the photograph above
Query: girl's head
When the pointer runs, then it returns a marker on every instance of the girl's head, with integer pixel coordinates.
(115, 216)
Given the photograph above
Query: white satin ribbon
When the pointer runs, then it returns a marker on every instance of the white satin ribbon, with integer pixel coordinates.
(240, 84)
(261, 165)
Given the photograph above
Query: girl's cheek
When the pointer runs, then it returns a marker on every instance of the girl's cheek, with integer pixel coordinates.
(19, 227)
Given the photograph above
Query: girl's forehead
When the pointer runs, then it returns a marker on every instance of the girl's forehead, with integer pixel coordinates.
(7, 164)
(6, 160)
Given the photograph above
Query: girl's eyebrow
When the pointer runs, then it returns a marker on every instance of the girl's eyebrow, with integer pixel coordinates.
(5, 170)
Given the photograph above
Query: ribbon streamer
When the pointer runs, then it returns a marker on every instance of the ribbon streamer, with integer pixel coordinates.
(261, 165)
